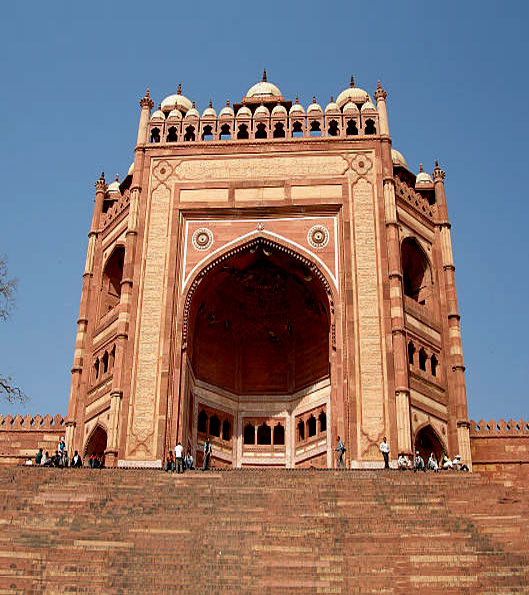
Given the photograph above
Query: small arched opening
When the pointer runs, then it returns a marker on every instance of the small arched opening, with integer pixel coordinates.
(297, 130)
(214, 426)
(370, 127)
(202, 425)
(322, 419)
(112, 276)
(427, 441)
(242, 134)
(416, 273)
(301, 430)
(248, 436)
(190, 134)
(333, 128)
(351, 129)
(97, 442)
(279, 130)
(261, 131)
(279, 434)
(155, 135)
(422, 360)
(264, 434)
(207, 133)
(311, 426)
(411, 353)
(172, 136)
(434, 362)
(226, 430)
(225, 132)
(315, 129)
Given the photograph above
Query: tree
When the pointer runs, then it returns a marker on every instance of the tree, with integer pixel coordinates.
(9, 391)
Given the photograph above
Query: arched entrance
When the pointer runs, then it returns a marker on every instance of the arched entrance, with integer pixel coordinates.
(427, 441)
(258, 342)
(97, 442)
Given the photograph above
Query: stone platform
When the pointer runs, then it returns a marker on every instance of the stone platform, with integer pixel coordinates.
(257, 531)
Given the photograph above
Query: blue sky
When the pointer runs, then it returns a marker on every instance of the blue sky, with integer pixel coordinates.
(72, 74)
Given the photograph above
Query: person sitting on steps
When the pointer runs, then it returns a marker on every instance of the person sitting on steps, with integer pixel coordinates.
(418, 462)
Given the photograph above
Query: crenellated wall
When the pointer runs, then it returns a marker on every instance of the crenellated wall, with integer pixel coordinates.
(500, 449)
(21, 437)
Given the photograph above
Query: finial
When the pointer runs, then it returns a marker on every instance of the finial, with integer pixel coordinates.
(227, 103)
(264, 76)
(210, 103)
(380, 93)
(332, 99)
(102, 176)
(117, 177)
(352, 83)
(314, 99)
(436, 163)
(438, 173)
(193, 105)
(420, 167)
(147, 93)
(101, 185)
(297, 100)
(179, 90)
(146, 100)
(160, 106)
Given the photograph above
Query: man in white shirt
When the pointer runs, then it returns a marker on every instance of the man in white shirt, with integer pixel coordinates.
(384, 449)
(179, 457)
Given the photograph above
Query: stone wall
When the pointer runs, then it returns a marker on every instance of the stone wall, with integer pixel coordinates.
(21, 437)
(500, 449)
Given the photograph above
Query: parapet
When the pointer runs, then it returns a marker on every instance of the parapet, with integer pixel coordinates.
(492, 428)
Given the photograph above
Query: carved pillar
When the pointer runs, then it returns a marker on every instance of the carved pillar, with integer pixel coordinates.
(75, 408)
(400, 350)
(455, 366)
(111, 453)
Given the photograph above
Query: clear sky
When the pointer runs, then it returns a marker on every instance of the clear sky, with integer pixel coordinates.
(72, 75)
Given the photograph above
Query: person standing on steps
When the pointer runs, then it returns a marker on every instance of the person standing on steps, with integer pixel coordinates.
(207, 454)
(179, 457)
(384, 449)
(340, 449)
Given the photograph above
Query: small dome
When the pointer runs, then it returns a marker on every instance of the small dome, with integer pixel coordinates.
(314, 107)
(368, 107)
(227, 111)
(193, 112)
(176, 101)
(244, 112)
(263, 89)
(158, 115)
(114, 187)
(331, 107)
(209, 112)
(350, 108)
(398, 158)
(174, 115)
(131, 169)
(279, 110)
(297, 108)
(262, 111)
(423, 177)
(354, 94)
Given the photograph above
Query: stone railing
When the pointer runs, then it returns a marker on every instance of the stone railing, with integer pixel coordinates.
(483, 429)
(115, 210)
(409, 196)
(30, 423)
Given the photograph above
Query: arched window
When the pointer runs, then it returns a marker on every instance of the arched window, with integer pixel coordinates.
(112, 276)
(97, 443)
(315, 129)
(301, 430)
(370, 127)
(279, 434)
(104, 362)
(261, 131)
(225, 132)
(172, 136)
(422, 359)
(434, 362)
(322, 418)
(190, 134)
(351, 129)
(311, 426)
(207, 133)
(214, 426)
(264, 434)
(297, 130)
(226, 430)
(155, 135)
(202, 425)
(333, 128)
(96, 368)
(411, 353)
(248, 436)
(279, 130)
(416, 274)
(112, 357)
(243, 132)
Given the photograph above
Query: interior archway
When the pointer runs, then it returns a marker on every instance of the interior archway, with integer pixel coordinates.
(416, 272)
(259, 323)
(426, 442)
(97, 443)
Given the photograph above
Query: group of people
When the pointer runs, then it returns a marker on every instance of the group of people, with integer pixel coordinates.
(404, 462)
(61, 458)
(176, 461)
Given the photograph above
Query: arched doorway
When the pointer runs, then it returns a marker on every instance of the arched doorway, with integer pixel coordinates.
(97, 442)
(427, 441)
(258, 343)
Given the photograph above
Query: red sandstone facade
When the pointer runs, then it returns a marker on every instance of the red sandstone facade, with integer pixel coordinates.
(274, 277)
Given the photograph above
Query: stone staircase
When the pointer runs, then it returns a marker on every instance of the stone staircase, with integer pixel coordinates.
(260, 531)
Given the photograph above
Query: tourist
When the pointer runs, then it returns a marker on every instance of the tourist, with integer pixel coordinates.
(169, 462)
(432, 463)
(76, 460)
(179, 457)
(38, 457)
(65, 459)
(61, 447)
(446, 463)
(92, 461)
(207, 454)
(418, 462)
(101, 461)
(56, 459)
(188, 461)
(403, 463)
(340, 448)
(458, 466)
(384, 449)
(44, 462)
(29, 461)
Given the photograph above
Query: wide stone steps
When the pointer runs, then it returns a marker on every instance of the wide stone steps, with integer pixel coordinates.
(259, 531)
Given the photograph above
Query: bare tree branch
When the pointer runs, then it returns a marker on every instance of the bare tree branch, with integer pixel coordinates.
(9, 391)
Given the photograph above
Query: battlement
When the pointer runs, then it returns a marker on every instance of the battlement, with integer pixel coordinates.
(483, 429)
(32, 424)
